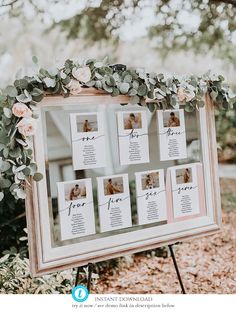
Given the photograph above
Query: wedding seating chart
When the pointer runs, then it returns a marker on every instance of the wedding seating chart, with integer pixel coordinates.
(114, 202)
(76, 211)
(76, 206)
(185, 190)
(151, 196)
(133, 137)
(88, 137)
(172, 135)
(118, 178)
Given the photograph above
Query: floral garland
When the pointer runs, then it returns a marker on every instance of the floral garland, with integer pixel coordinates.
(18, 119)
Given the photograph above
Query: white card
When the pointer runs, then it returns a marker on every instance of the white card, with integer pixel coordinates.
(185, 190)
(151, 196)
(172, 134)
(114, 202)
(88, 140)
(76, 210)
(133, 137)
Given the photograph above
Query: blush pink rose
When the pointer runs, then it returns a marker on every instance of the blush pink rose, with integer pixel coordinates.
(27, 126)
(185, 95)
(21, 110)
(181, 94)
(74, 87)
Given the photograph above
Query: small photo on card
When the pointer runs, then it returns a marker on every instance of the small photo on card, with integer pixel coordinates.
(86, 123)
(150, 180)
(171, 119)
(76, 210)
(172, 134)
(113, 186)
(133, 137)
(151, 197)
(132, 120)
(185, 190)
(75, 191)
(114, 202)
(87, 135)
(184, 176)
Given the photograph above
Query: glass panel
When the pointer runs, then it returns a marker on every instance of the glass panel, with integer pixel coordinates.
(58, 159)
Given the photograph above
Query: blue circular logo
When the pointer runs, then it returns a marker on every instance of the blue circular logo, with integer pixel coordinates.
(80, 293)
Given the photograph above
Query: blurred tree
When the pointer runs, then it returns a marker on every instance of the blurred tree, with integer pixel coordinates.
(176, 25)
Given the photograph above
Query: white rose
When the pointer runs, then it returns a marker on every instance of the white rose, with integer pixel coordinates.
(74, 87)
(82, 74)
(27, 126)
(21, 110)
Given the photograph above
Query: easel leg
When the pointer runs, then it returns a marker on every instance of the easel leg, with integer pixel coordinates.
(177, 269)
(90, 271)
(77, 276)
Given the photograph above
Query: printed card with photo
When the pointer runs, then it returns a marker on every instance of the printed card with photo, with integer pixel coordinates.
(76, 210)
(133, 137)
(114, 202)
(151, 196)
(185, 190)
(88, 137)
(172, 134)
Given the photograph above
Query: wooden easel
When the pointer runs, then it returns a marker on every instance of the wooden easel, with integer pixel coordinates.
(90, 267)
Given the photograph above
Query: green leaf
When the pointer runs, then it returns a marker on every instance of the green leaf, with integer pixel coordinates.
(7, 112)
(11, 91)
(135, 84)
(49, 82)
(1, 196)
(142, 90)
(110, 81)
(33, 168)
(189, 108)
(152, 81)
(20, 175)
(21, 142)
(53, 71)
(151, 106)
(200, 104)
(4, 165)
(21, 83)
(20, 168)
(91, 83)
(124, 87)
(23, 98)
(116, 76)
(128, 78)
(5, 152)
(5, 183)
(20, 193)
(213, 95)
(98, 76)
(66, 80)
(132, 92)
(134, 100)
(98, 84)
(26, 171)
(107, 88)
(98, 64)
(35, 59)
(38, 176)
(36, 92)
(115, 92)
(150, 94)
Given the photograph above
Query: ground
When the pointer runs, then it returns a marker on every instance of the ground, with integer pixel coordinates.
(207, 264)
